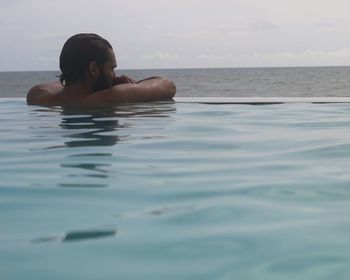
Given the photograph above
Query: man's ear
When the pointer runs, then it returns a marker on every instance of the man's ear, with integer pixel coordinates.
(93, 70)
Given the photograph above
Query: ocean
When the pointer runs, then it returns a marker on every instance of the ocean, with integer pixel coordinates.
(224, 82)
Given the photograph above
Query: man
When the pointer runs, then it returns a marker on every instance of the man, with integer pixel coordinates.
(88, 79)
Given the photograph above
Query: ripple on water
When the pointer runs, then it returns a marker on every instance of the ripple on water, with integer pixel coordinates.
(221, 191)
(75, 236)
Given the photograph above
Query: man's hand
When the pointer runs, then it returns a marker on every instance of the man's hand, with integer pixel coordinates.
(123, 80)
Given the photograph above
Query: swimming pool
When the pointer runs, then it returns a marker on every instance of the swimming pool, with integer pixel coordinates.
(175, 191)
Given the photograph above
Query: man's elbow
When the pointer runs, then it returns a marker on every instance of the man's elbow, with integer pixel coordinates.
(171, 89)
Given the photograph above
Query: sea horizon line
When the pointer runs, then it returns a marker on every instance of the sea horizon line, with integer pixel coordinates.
(190, 68)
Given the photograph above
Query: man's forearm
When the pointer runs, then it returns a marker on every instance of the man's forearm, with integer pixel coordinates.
(151, 89)
(150, 78)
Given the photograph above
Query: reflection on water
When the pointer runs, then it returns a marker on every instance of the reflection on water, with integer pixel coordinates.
(88, 234)
(91, 126)
(85, 130)
(73, 236)
(94, 130)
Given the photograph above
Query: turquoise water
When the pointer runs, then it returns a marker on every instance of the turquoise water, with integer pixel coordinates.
(175, 191)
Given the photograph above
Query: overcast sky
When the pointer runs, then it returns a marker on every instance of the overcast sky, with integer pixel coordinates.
(179, 33)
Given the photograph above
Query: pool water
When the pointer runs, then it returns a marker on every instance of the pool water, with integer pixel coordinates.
(175, 191)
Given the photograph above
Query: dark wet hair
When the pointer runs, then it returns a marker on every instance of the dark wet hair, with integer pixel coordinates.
(78, 52)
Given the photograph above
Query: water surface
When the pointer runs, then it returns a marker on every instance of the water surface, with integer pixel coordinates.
(175, 191)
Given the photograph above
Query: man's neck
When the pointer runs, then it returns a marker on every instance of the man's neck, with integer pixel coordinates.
(78, 89)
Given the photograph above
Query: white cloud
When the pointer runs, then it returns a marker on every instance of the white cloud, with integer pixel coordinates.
(160, 56)
(280, 59)
(263, 25)
(191, 33)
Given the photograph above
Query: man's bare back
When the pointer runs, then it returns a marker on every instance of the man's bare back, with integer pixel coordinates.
(153, 89)
(88, 79)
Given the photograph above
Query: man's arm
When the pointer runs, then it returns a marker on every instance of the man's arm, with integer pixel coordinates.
(151, 89)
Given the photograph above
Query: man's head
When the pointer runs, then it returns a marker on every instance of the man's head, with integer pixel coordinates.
(87, 57)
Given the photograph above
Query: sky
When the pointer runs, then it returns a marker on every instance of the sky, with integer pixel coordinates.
(179, 33)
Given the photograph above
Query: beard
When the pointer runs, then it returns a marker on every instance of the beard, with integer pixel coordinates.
(102, 83)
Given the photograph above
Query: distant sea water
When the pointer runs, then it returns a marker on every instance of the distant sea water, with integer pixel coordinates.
(223, 82)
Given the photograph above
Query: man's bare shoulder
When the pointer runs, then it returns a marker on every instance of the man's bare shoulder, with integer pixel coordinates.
(43, 94)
